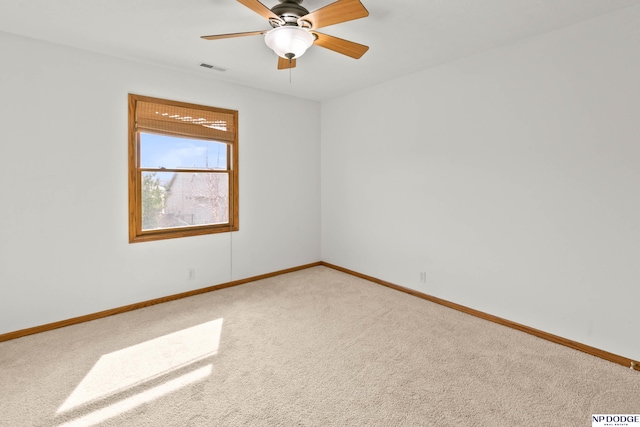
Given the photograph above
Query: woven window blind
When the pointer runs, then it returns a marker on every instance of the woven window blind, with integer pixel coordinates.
(196, 123)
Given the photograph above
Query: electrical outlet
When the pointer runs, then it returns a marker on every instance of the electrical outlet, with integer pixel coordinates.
(192, 273)
(423, 277)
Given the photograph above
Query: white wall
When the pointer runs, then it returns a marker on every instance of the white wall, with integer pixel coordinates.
(511, 177)
(64, 248)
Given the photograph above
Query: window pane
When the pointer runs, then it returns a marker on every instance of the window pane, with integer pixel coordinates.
(184, 199)
(162, 151)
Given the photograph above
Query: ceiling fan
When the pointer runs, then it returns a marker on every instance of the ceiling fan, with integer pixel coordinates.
(294, 28)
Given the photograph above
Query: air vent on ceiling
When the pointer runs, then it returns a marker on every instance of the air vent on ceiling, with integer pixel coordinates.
(212, 67)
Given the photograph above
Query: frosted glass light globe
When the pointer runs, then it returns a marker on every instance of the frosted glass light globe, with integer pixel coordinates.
(289, 40)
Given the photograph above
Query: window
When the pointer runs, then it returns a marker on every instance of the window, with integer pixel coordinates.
(183, 169)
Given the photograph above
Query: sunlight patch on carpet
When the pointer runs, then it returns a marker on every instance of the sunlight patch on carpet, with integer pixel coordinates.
(146, 396)
(132, 366)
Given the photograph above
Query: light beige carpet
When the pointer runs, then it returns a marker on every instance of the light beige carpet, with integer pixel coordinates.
(315, 347)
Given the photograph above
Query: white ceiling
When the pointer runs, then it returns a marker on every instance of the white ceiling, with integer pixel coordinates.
(404, 36)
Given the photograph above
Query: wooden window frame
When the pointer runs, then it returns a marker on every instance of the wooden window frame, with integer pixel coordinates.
(136, 233)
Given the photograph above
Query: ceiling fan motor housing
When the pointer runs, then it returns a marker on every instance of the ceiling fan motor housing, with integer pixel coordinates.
(289, 11)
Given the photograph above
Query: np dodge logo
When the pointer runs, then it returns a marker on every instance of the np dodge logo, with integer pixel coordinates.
(615, 420)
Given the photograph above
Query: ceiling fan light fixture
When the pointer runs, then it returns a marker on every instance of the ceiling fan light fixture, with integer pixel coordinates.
(289, 39)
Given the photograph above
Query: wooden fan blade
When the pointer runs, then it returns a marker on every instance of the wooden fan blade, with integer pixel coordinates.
(345, 47)
(232, 35)
(284, 63)
(260, 9)
(335, 13)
